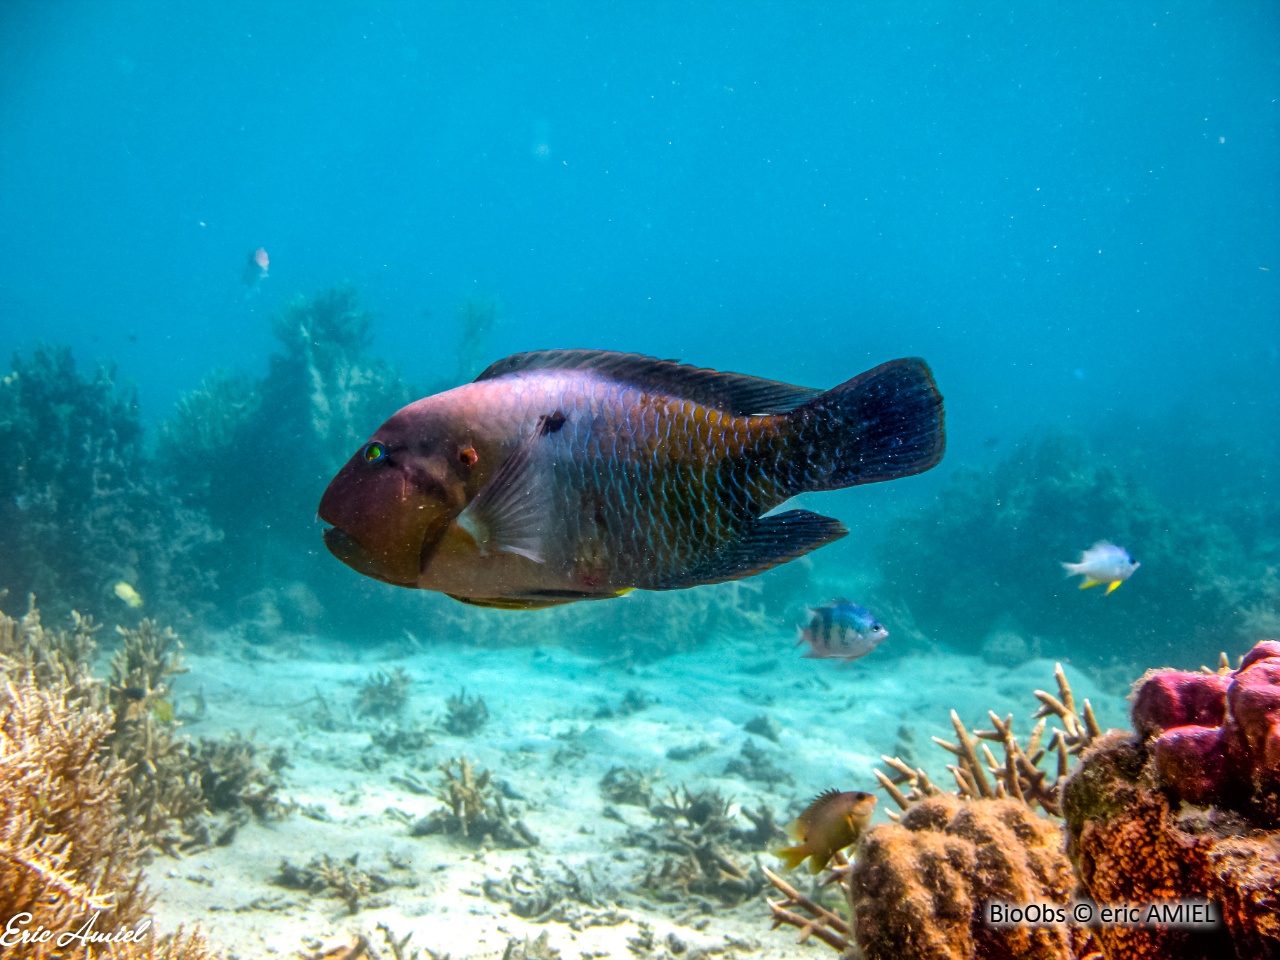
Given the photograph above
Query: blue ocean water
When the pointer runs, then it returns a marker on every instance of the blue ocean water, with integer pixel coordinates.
(1071, 211)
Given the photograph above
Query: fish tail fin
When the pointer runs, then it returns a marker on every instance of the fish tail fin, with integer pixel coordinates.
(1111, 587)
(881, 425)
(1071, 568)
(1088, 582)
(792, 857)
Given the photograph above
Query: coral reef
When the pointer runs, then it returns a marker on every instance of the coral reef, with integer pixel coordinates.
(473, 809)
(383, 694)
(990, 545)
(65, 852)
(68, 857)
(917, 887)
(80, 503)
(465, 715)
(1187, 807)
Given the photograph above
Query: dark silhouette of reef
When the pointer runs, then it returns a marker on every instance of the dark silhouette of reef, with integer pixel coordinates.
(81, 504)
(981, 563)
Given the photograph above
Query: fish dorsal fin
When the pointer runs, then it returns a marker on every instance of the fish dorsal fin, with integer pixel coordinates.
(799, 828)
(734, 393)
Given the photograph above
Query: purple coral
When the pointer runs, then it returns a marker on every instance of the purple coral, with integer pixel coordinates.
(1216, 737)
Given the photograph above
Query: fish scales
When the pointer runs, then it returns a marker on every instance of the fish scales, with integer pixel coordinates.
(659, 459)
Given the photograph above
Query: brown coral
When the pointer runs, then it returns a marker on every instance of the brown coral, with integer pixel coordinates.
(920, 886)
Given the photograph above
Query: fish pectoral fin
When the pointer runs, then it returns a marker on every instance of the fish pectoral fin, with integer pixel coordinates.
(1088, 582)
(1112, 586)
(767, 542)
(511, 512)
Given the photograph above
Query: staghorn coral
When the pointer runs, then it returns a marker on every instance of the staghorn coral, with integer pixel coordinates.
(50, 659)
(1185, 808)
(383, 694)
(473, 809)
(1010, 525)
(698, 845)
(163, 798)
(465, 715)
(64, 850)
(630, 786)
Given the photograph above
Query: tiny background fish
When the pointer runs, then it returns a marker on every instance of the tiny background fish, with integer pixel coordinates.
(1104, 562)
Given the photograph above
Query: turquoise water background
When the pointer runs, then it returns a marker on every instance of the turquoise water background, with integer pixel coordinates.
(1069, 209)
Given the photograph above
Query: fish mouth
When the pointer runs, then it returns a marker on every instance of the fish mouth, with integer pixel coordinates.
(349, 550)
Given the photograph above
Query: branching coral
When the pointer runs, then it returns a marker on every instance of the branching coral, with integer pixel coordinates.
(465, 715)
(383, 694)
(917, 887)
(473, 809)
(698, 844)
(64, 850)
(343, 879)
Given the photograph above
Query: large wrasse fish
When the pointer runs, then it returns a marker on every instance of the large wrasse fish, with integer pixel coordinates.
(582, 474)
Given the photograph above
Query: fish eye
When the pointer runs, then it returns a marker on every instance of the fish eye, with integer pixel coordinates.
(467, 456)
(374, 452)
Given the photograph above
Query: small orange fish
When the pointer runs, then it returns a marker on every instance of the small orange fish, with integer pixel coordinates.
(832, 822)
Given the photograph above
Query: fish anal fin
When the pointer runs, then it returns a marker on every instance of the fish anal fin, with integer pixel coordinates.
(792, 857)
(766, 543)
(1111, 587)
(734, 393)
(1088, 582)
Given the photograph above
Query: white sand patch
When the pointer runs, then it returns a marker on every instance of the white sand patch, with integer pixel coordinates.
(550, 740)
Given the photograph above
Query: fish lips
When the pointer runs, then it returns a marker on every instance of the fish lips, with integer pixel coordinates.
(348, 549)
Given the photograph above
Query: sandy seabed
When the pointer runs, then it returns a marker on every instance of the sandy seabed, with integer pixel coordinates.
(549, 742)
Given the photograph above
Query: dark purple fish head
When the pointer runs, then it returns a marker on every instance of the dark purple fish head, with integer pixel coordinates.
(393, 501)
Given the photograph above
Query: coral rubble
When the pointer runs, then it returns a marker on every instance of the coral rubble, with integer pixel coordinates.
(342, 879)
(1187, 807)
